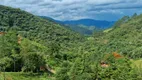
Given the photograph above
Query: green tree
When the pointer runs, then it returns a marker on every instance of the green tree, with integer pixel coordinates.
(32, 57)
(9, 45)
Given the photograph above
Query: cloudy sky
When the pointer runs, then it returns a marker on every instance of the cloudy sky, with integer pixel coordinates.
(78, 9)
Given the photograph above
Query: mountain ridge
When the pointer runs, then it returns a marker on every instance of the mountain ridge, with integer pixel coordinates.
(86, 21)
(84, 26)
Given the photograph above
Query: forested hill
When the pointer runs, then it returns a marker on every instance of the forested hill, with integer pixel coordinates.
(33, 27)
(125, 37)
(29, 43)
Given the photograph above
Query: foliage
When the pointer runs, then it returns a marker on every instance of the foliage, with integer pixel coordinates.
(29, 42)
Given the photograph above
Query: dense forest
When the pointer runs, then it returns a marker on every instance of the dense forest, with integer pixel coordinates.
(37, 47)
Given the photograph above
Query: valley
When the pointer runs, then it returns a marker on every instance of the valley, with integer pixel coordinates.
(35, 48)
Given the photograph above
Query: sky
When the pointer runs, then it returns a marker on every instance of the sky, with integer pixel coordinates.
(110, 10)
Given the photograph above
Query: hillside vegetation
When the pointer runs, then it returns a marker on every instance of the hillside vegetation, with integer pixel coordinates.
(124, 37)
(33, 27)
(29, 42)
(34, 48)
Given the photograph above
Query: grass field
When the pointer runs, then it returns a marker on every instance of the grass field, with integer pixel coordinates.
(137, 66)
(24, 76)
(137, 63)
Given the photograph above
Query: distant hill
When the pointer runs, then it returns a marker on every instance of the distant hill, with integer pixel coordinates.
(84, 26)
(90, 22)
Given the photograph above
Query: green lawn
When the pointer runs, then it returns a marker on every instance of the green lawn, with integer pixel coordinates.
(24, 76)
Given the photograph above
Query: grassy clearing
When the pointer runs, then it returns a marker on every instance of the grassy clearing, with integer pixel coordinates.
(24, 76)
(137, 63)
(107, 30)
(137, 66)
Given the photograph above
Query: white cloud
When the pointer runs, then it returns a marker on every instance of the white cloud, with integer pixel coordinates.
(77, 9)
